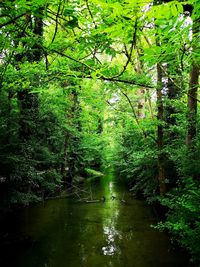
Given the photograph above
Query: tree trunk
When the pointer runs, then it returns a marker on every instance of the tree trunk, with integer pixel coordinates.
(193, 90)
(28, 101)
(141, 91)
(64, 165)
(73, 141)
(160, 134)
(192, 105)
(173, 92)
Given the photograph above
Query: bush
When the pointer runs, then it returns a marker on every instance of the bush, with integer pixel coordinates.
(183, 217)
(135, 166)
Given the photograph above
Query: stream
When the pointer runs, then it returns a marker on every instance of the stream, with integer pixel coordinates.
(68, 233)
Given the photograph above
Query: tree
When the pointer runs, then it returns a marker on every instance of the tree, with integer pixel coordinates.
(193, 83)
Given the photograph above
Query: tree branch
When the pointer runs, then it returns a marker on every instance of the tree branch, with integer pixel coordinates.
(132, 108)
(136, 119)
(56, 20)
(129, 55)
(88, 7)
(12, 20)
(125, 82)
(73, 59)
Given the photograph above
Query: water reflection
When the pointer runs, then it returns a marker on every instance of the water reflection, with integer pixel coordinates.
(111, 186)
(111, 233)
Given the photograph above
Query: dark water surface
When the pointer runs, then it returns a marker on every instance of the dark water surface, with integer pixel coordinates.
(65, 233)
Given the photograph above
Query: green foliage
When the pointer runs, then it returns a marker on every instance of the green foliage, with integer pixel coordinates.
(183, 220)
(23, 199)
(182, 201)
(79, 93)
(134, 165)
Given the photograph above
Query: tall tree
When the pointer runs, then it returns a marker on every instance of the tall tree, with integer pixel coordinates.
(32, 52)
(193, 84)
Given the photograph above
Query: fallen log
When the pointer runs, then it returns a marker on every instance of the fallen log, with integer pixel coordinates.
(94, 201)
(103, 199)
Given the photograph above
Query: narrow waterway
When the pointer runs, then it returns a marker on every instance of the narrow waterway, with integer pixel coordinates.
(67, 233)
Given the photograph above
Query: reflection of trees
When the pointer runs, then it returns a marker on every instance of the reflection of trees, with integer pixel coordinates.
(110, 219)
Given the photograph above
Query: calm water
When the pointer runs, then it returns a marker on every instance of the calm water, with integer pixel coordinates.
(65, 233)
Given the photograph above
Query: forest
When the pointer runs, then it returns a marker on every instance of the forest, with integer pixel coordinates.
(89, 87)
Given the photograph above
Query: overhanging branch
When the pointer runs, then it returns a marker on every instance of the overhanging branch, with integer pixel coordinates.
(12, 20)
